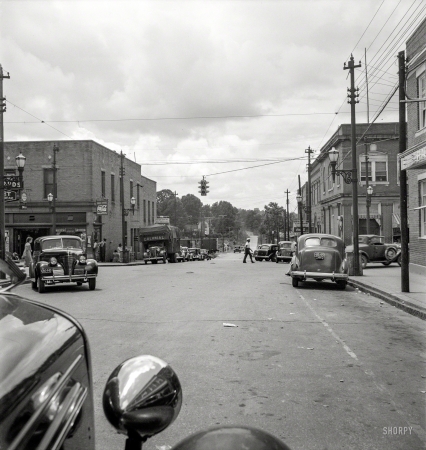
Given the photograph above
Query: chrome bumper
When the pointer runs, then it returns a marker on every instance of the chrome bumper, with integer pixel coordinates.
(331, 276)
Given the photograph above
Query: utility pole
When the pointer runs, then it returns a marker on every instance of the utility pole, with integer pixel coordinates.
(123, 214)
(308, 206)
(405, 273)
(55, 189)
(353, 99)
(2, 214)
(288, 219)
(300, 209)
(175, 194)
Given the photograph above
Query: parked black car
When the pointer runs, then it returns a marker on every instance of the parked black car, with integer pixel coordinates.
(61, 259)
(267, 252)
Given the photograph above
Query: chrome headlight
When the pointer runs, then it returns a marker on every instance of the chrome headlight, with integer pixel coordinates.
(82, 259)
(53, 261)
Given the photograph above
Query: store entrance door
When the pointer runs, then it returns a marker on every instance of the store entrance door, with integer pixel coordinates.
(20, 236)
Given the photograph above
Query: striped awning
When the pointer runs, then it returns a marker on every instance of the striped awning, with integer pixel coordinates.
(396, 219)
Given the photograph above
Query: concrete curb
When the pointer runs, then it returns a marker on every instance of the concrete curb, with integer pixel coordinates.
(392, 299)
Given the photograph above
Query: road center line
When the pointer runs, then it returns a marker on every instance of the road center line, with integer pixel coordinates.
(328, 328)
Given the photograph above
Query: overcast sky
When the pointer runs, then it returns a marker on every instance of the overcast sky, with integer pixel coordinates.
(201, 88)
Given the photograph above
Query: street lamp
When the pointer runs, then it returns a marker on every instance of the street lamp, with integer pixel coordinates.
(132, 207)
(349, 176)
(368, 204)
(20, 162)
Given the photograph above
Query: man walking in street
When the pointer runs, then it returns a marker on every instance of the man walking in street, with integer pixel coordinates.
(247, 251)
(102, 249)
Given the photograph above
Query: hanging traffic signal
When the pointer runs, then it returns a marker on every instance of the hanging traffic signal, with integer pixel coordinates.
(203, 188)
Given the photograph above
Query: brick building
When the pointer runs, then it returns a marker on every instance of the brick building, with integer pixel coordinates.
(332, 202)
(414, 158)
(87, 174)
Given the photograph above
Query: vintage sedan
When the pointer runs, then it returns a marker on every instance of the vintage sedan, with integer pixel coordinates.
(285, 251)
(155, 253)
(372, 248)
(266, 252)
(319, 257)
(195, 254)
(61, 259)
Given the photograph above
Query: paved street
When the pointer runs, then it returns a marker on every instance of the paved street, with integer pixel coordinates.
(318, 367)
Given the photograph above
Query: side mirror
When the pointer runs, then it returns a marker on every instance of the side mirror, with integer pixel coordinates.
(142, 397)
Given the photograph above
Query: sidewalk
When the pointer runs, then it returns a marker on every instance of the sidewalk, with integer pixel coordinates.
(384, 282)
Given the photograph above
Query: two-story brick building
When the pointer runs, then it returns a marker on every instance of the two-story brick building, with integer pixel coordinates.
(331, 210)
(87, 174)
(413, 160)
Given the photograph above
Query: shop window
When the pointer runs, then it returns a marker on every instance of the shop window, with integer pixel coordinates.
(422, 208)
(48, 182)
(377, 168)
(112, 188)
(330, 178)
(103, 183)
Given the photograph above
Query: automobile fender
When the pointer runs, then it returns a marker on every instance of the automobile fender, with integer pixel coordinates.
(361, 252)
(38, 268)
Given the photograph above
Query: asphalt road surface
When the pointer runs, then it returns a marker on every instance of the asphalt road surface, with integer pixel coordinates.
(318, 367)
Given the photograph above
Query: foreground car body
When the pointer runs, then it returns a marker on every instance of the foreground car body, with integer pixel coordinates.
(319, 257)
(372, 248)
(266, 252)
(61, 259)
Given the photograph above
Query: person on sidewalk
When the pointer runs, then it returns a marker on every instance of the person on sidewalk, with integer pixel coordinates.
(27, 255)
(247, 251)
(102, 249)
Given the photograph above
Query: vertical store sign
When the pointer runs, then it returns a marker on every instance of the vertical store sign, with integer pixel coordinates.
(102, 207)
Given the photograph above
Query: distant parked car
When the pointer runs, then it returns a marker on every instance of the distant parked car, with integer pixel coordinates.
(195, 254)
(61, 259)
(285, 251)
(319, 257)
(372, 248)
(155, 253)
(266, 252)
(238, 248)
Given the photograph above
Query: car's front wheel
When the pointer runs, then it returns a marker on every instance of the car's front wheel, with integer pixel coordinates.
(41, 287)
(364, 261)
(294, 282)
(92, 284)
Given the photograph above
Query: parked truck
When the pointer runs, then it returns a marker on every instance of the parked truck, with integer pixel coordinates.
(210, 244)
(160, 242)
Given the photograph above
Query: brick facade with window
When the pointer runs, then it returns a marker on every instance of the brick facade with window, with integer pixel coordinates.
(86, 172)
(414, 158)
(332, 202)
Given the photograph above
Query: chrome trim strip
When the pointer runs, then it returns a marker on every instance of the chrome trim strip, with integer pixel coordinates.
(305, 274)
(70, 407)
(28, 428)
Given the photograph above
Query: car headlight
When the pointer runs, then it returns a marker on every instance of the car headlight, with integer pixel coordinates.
(53, 261)
(82, 259)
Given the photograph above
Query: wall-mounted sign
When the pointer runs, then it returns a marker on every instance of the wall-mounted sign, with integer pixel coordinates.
(414, 159)
(11, 196)
(101, 207)
(12, 182)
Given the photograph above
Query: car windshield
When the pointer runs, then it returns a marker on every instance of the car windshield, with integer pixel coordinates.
(287, 245)
(265, 247)
(320, 242)
(61, 243)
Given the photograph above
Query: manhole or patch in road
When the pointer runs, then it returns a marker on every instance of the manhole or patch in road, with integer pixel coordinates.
(189, 272)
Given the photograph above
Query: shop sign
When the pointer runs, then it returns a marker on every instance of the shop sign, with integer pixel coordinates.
(102, 207)
(414, 159)
(11, 196)
(12, 182)
(160, 237)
